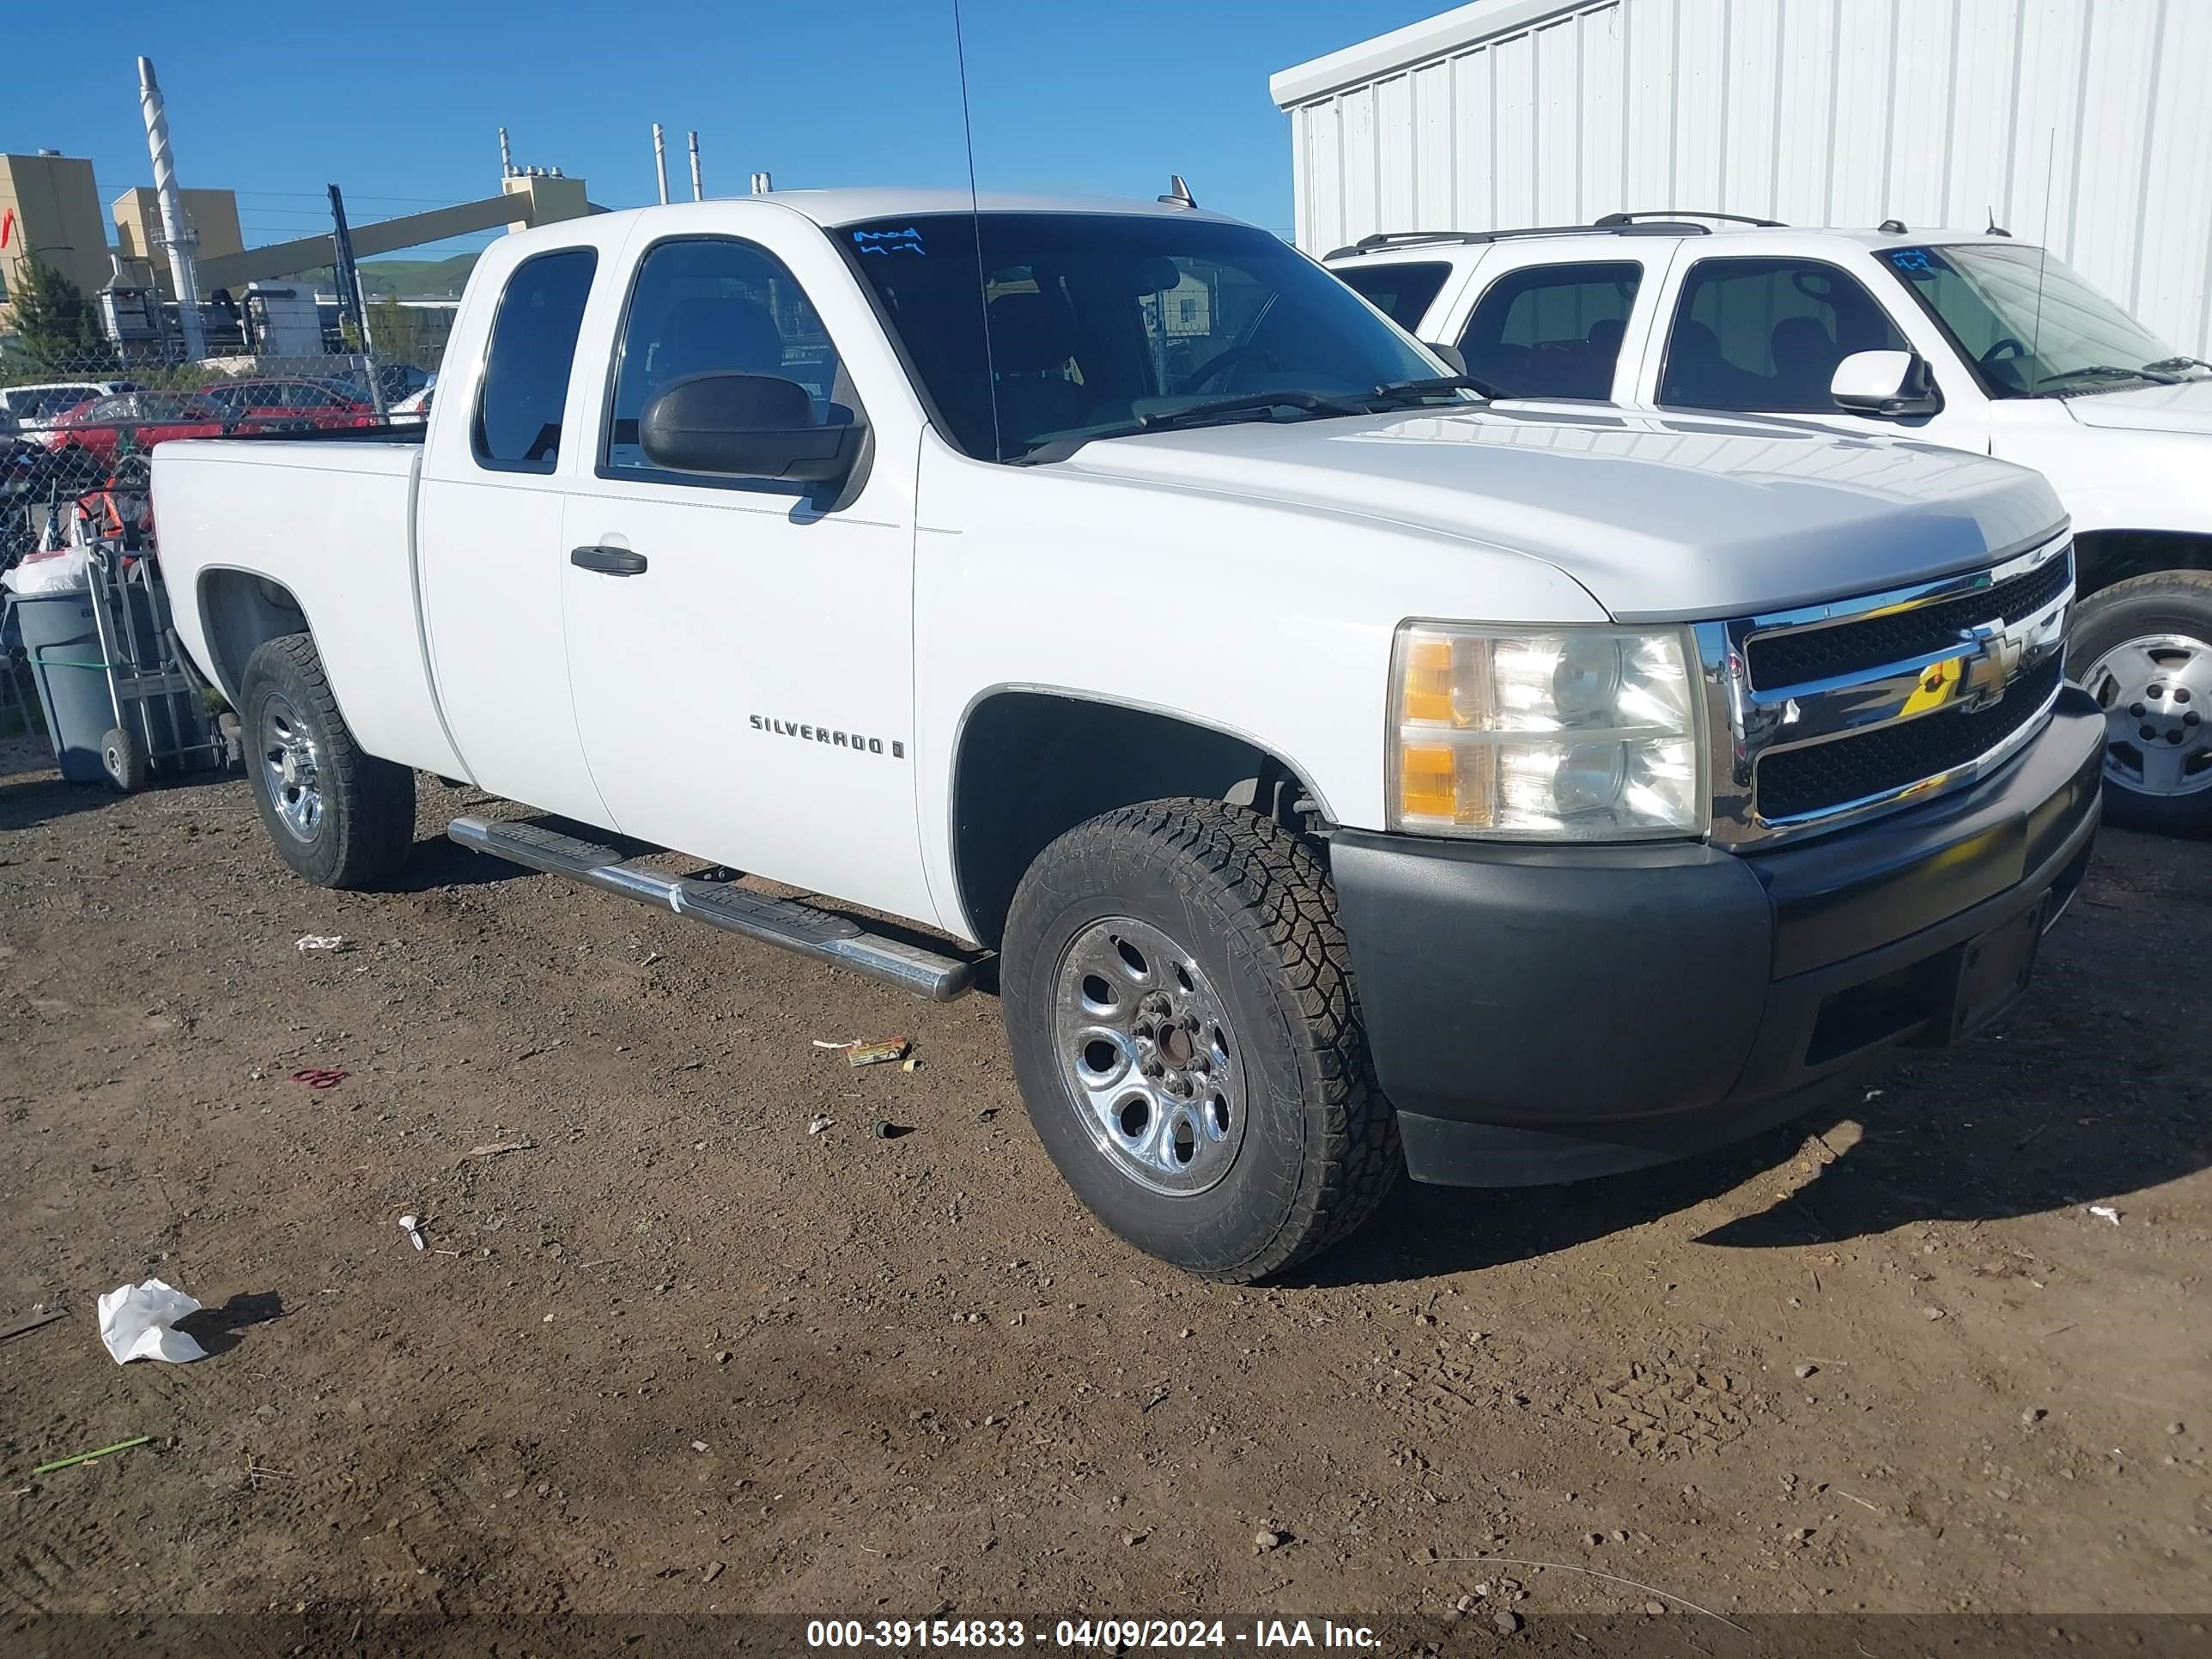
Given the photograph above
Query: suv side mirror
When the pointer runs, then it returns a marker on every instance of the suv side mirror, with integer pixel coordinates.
(745, 426)
(1892, 383)
(1454, 359)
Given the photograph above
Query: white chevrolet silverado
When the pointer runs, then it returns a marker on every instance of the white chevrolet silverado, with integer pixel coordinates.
(1969, 339)
(1351, 777)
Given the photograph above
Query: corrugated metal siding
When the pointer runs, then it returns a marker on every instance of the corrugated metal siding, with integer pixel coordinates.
(2083, 124)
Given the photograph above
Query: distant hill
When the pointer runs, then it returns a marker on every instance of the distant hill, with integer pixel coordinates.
(403, 279)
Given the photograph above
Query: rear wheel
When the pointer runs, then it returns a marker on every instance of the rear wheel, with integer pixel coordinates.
(1180, 1006)
(339, 817)
(123, 757)
(2147, 643)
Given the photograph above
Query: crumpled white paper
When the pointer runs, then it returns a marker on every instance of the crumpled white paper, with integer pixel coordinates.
(135, 1323)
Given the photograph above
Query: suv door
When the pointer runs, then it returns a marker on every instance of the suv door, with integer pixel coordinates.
(1762, 334)
(740, 651)
(1553, 328)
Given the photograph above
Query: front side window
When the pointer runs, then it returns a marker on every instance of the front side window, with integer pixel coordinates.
(1553, 331)
(1097, 321)
(2027, 322)
(1403, 292)
(1767, 334)
(534, 346)
(713, 305)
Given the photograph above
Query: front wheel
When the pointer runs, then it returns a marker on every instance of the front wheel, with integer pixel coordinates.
(339, 817)
(2147, 645)
(1179, 1007)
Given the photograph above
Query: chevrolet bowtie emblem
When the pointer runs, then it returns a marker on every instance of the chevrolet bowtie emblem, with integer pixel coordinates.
(1988, 666)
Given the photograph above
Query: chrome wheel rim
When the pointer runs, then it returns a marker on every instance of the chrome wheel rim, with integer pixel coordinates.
(291, 768)
(2156, 693)
(1152, 1064)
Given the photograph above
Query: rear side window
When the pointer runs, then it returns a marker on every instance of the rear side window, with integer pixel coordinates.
(1767, 334)
(1553, 331)
(1403, 293)
(533, 345)
(715, 305)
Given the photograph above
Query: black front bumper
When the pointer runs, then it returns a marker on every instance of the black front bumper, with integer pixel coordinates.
(1544, 1014)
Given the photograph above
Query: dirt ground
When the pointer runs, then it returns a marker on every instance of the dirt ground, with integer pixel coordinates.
(679, 1355)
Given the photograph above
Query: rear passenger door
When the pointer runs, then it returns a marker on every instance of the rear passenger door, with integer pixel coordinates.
(1762, 334)
(1553, 329)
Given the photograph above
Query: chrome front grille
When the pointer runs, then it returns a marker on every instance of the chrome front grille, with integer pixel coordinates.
(1836, 713)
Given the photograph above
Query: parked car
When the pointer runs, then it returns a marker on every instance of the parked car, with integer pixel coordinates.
(1349, 775)
(1975, 340)
(31, 409)
(399, 382)
(86, 439)
(415, 408)
(286, 402)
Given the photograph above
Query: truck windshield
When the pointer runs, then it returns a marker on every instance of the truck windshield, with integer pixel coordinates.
(2029, 324)
(1097, 321)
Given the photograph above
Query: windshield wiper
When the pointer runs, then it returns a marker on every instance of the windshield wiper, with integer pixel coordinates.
(2176, 363)
(2109, 372)
(1413, 390)
(1256, 405)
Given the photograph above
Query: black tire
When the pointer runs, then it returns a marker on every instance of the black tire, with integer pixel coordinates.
(1251, 906)
(2165, 605)
(363, 822)
(123, 757)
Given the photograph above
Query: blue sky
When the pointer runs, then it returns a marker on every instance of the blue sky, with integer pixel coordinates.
(400, 103)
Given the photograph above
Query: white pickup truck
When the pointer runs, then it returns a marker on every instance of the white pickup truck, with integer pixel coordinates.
(1972, 340)
(1351, 777)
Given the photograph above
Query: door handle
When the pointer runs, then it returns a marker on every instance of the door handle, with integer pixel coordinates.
(608, 561)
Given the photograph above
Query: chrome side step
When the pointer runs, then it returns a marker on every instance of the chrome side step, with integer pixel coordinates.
(825, 936)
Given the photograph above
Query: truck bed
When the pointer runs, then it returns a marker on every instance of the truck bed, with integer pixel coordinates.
(330, 519)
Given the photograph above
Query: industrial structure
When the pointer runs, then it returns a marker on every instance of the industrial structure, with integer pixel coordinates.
(2081, 124)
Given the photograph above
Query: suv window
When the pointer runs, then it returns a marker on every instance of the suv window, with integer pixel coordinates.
(714, 305)
(1403, 293)
(1553, 331)
(533, 345)
(1767, 334)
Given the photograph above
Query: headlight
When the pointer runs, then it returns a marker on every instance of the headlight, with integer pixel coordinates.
(1572, 733)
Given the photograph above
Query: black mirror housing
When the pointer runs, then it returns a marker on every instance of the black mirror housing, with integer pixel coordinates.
(745, 426)
(1454, 359)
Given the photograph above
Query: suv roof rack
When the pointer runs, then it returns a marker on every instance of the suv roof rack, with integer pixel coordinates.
(1656, 222)
(1622, 221)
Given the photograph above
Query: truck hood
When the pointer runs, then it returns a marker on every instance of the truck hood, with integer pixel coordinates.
(1660, 517)
(2186, 406)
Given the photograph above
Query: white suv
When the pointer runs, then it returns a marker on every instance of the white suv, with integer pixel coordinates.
(1968, 339)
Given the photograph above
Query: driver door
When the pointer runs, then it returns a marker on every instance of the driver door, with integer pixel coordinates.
(1762, 334)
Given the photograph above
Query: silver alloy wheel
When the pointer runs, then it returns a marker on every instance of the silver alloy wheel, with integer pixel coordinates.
(289, 765)
(1145, 1044)
(2156, 693)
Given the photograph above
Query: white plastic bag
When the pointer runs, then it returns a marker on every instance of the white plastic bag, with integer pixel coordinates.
(69, 571)
(135, 1323)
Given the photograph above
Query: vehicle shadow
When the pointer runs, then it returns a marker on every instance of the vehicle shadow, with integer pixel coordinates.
(30, 799)
(2090, 1089)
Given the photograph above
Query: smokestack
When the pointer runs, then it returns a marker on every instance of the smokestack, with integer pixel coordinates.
(176, 232)
(697, 194)
(762, 184)
(505, 156)
(660, 162)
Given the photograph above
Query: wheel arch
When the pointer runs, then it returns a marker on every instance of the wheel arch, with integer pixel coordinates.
(239, 611)
(1031, 762)
(2105, 557)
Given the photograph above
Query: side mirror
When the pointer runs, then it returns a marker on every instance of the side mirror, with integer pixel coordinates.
(745, 426)
(1454, 359)
(1892, 383)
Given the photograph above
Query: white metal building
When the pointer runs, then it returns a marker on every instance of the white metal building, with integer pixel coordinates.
(2083, 124)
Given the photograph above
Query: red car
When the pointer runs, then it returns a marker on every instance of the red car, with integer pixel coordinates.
(288, 403)
(94, 433)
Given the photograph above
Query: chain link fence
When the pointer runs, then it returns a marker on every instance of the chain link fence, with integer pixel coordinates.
(77, 426)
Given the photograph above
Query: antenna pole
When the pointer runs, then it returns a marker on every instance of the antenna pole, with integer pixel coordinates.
(2043, 255)
(660, 162)
(975, 217)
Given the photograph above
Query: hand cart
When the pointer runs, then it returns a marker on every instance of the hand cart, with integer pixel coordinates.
(159, 701)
